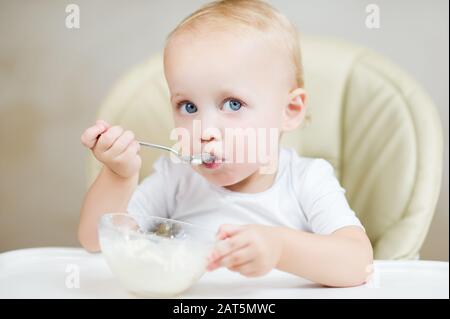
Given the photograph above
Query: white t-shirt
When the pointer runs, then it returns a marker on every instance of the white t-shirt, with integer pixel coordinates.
(306, 195)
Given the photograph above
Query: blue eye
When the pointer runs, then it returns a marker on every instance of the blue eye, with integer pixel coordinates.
(232, 105)
(188, 108)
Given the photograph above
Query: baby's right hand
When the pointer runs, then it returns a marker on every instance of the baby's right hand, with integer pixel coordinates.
(115, 148)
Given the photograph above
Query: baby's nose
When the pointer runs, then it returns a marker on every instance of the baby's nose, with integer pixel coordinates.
(210, 135)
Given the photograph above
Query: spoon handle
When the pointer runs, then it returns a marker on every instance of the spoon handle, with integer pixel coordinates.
(159, 147)
(194, 160)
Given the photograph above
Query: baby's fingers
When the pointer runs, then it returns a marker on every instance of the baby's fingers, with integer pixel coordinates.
(90, 136)
(107, 139)
(130, 152)
(229, 245)
(120, 145)
(238, 258)
(228, 230)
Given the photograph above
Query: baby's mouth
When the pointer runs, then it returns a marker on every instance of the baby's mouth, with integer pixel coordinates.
(208, 158)
(211, 160)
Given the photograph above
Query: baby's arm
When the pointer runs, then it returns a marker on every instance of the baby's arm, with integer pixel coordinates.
(109, 193)
(114, 186)
(341, 259)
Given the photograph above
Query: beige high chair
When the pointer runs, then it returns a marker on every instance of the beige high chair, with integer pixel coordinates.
(374, 123)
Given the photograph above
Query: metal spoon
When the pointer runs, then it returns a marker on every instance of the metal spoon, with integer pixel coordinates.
(196, 159)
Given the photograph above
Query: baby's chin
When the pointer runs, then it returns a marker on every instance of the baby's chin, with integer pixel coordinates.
(226, 174)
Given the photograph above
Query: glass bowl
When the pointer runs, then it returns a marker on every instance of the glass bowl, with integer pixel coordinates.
(155, 257)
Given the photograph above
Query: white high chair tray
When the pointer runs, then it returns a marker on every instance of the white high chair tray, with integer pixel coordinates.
(49, 273)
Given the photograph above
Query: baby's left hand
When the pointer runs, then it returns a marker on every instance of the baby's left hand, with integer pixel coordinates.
(251, 250)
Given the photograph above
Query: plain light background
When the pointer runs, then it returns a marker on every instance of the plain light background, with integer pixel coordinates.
(53, 79)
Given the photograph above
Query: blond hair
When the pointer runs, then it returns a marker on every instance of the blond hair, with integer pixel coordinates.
(255, 14)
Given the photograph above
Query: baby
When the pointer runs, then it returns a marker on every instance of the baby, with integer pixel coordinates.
(235, 66)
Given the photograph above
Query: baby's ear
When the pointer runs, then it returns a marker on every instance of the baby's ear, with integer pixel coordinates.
(294, 112)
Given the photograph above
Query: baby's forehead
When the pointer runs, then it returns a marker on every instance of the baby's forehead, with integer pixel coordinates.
(192, 36)
(225, 43)
(228, 55)
(207, 63)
